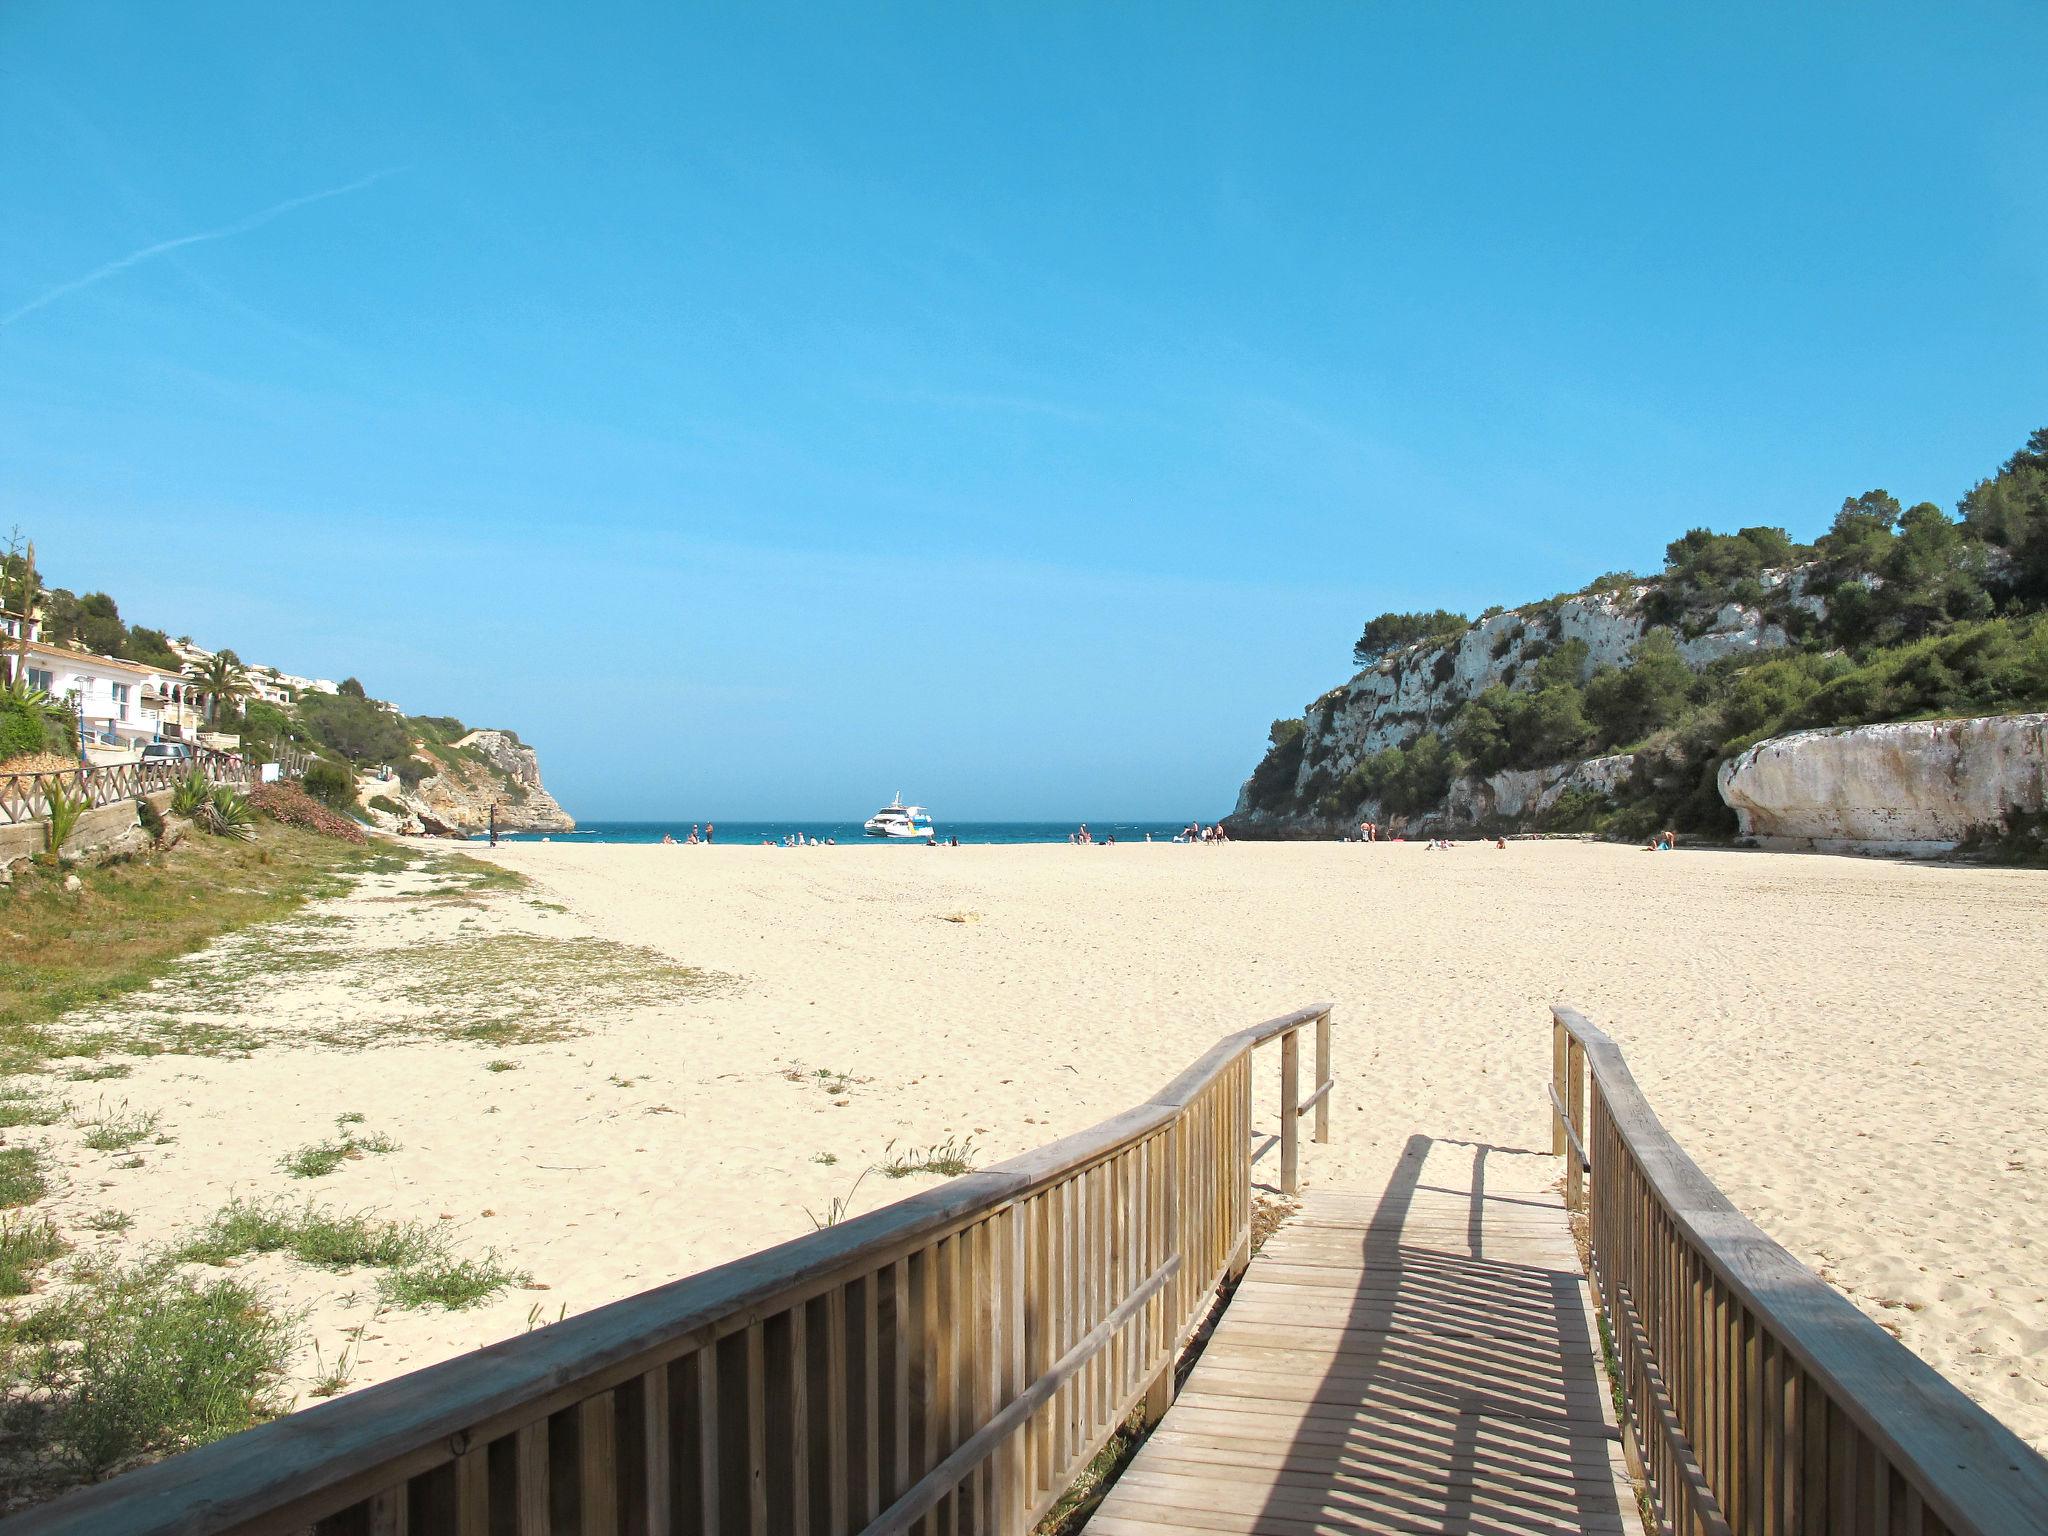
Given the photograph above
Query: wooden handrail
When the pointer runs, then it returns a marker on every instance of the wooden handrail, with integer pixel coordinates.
(25, 797)
(1760, 1399)
(990, 1334)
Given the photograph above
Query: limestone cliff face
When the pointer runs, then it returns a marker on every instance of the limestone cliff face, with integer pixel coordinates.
(1420, 688)
(1916, 787)
(487, 767)
(1522, 793)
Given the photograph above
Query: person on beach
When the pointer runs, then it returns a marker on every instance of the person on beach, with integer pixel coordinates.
(709, 831)
(667, 840)
(494, 823)
(1501, 843)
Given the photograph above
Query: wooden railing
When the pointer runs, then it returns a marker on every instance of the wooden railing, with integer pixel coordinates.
(25, 797)
(946, 1363)
(1760, 1401)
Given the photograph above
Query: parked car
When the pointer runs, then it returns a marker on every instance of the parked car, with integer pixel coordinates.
(173, 752)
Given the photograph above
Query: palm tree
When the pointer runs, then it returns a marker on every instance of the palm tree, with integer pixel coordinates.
(28, 590)
(219, 680)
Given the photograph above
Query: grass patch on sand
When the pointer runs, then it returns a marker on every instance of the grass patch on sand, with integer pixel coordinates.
(525, 989)
(950, 1158)
(323, 1157)
(424, 1269)
(131, 1364)
(461, 873)
(21, 1177)
(25, 1106)
(27, 1243)
(494, 989)
(62, 950)
(120, 1129)
(98, 1074)
(832, 1082)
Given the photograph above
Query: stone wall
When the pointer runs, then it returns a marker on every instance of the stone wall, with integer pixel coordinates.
(98, 829)
(1915, 787)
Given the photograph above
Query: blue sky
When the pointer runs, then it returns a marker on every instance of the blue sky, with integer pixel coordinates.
(763, 410)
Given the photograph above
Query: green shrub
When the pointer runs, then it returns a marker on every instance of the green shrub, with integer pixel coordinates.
(331, 783)
(1272, 782)
(145, 1362)
(354, 728)
(1403, 781)
(1391, 631)
(387, 805)
(21, 729)
(1626, 703)
(1576, 810)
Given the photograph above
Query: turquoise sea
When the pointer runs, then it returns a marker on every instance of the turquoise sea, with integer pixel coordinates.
(849, 832)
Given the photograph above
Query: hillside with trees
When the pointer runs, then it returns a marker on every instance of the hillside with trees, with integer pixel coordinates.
(1895, 613)
(443, 774)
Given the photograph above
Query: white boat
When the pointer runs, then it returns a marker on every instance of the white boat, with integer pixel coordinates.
(899, 820)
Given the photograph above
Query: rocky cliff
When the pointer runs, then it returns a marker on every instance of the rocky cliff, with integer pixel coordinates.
(1916, 787)
(475, 772)
(1420, 689)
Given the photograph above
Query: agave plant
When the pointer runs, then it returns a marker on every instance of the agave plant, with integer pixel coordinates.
(23, 694)
(192, 792)
(65, 809)
(225, 813)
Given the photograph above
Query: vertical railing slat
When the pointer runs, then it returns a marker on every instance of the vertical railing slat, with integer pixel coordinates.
(533, 1494)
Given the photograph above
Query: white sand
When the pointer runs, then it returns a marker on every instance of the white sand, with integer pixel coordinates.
(1854, 1049)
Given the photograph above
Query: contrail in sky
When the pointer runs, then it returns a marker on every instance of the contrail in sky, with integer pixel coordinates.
(239, 227)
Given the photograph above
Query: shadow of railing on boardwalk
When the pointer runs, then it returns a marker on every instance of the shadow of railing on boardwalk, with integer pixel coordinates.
(1464, 1394)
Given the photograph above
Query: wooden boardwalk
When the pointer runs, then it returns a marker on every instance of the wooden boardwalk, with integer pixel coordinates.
(1422, 1360)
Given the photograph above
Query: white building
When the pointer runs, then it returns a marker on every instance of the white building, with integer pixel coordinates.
(265, 683)
(118, 703)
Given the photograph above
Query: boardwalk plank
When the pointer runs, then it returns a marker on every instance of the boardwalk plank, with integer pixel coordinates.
(1420, 1370)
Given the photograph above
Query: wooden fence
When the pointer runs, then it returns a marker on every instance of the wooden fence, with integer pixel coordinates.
(25, 797)
(948, 1363)
(1760, 1401)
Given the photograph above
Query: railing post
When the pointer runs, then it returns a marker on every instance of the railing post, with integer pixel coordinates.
(1322, 1076)
(1241, 1255)
(1290, 1111)
(1558, 1041)
(1575, 1172)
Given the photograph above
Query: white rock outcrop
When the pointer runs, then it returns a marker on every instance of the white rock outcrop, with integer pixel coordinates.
(1916, 787)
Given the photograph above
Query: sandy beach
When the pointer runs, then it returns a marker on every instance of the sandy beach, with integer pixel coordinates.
(1853, 1049)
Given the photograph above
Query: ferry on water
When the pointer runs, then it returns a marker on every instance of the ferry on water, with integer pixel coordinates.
(899, 820)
